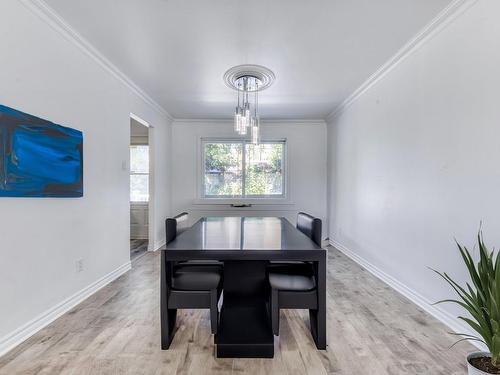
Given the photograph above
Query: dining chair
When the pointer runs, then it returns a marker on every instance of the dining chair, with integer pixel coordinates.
(197, 265)
(182, 221)
(293, 284)
(311, 227)
(185, 286)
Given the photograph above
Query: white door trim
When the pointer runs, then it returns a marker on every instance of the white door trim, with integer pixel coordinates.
(151, 205)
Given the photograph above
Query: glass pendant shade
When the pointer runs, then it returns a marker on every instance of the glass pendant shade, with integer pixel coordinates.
(244, 125)
(248, 80)
(246, 118)
(237, 120)
(256, 131)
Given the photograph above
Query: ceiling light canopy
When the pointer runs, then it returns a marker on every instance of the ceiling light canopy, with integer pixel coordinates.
(259, 72)
(248, 80)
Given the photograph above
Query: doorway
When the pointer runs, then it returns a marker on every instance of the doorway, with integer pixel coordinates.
(140, 197)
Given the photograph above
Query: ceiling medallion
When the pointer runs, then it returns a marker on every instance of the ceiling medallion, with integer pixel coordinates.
(248, 80)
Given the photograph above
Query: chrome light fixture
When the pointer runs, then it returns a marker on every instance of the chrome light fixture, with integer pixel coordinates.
(248, 80)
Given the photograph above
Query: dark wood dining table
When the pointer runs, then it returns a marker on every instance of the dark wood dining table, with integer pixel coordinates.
(246, 245)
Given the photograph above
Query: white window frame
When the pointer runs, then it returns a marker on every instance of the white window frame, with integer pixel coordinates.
(142, 174)
(274, 198)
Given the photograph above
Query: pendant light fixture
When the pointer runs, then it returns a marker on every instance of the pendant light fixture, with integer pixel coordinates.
(248, 81)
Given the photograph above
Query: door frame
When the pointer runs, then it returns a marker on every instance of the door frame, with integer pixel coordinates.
(151, 216)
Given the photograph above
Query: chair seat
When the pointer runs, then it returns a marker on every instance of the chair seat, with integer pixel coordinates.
(285, 262)
(198, 280)
(188, 267)
(201, 262)
(292, 268)
(291, 282)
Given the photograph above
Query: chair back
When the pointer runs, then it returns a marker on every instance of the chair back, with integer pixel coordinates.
(175, 226)
(170, 229)
(310, 226)
(182, 222)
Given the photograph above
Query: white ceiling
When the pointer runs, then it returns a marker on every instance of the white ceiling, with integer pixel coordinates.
(178, 50)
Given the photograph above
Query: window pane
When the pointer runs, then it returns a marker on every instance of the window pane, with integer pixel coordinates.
(223, 169)
(139, 159)
(139, 188)
(264, 169)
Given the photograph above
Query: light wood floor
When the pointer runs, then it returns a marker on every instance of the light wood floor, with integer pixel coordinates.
(138, 248)
(371, 330)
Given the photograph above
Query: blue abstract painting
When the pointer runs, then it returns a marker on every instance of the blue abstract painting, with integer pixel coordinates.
(39, 158)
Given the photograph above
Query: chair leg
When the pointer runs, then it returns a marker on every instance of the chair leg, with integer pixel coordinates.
(167, 316)
(214, 311)
(275, 312)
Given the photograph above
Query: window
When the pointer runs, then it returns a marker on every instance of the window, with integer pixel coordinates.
(139, 173)
(239, 169)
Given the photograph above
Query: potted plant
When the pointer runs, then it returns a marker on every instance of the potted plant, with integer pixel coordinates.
(481, 298)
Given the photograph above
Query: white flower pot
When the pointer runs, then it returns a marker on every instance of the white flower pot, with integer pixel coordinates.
(471, 369)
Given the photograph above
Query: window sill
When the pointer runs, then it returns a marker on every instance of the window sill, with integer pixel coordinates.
(243, 201)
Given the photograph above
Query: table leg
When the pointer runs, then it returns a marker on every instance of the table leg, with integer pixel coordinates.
(244, 328)
(317, 317)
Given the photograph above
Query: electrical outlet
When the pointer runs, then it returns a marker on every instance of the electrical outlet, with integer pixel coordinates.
(79, 265)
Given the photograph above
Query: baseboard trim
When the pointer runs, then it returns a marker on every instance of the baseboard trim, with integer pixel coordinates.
(142, 237)
(443, 316)
(157, 246)
(13, 339)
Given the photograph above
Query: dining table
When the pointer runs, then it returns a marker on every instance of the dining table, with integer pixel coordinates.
(246, 246)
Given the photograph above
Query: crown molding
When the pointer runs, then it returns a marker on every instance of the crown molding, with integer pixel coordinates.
(439, 23)
(263, 121)
(49, 16)
(445, 17)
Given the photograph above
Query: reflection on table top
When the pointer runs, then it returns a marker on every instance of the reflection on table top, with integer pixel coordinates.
(242, 233)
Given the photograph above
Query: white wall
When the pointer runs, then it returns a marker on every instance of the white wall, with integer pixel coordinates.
(45, 74)
(306, 151)
(414, 161)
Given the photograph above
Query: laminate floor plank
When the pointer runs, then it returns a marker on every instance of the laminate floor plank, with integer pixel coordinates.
(371, 329)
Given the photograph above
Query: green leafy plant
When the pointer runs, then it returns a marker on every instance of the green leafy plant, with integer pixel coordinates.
(481, 299)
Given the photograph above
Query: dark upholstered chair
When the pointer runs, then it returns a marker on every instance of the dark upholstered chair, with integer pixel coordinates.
(293, 284)
(182, 222)
(186, 286)
(311, 227)
(182, 225)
